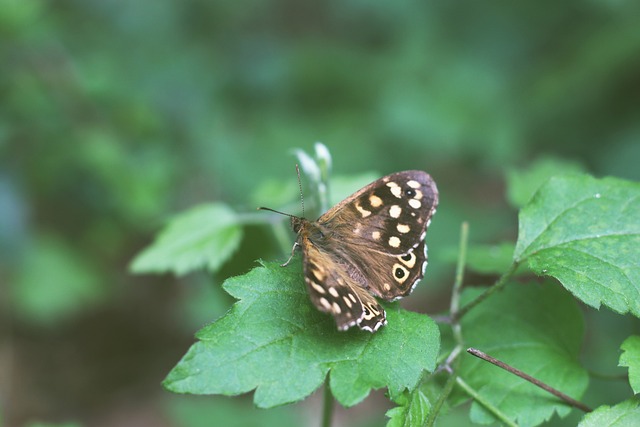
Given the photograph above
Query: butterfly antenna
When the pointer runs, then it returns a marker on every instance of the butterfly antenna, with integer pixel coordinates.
(300, 188)
(262, 208)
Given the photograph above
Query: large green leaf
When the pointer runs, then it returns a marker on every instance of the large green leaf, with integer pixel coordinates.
(535, 328)
(625, 414)
(274, 340)
(202, 237)
(631, 359)
(586, 233)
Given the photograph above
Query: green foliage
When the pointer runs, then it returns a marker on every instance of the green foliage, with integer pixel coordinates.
(274, 340)
(586, 233)
(522, 184)
(54, 283)
(575, 228)
(202, 237)
(625, 414)
(489, 259)
(116, 114)
(413, 409)
(631, 359)
(537, 328)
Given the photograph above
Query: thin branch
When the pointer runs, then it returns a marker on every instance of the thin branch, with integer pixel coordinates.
(500, 283)
(437, 407)
(485, 403)
(569, 400)
(457, 284)
(452, 362)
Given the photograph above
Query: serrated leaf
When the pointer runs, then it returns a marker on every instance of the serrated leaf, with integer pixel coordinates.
(585, 232)
(522, 184)
(413, 410)
(625, 414)
(535, 328)
(202, 237)
(274, 341)
(631, 359)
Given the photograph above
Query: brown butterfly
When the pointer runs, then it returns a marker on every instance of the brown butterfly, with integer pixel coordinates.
(371, 243)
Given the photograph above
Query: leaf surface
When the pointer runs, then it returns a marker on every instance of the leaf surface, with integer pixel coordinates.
(585, 232)
(625, 414)
(202, 237)
(631, 359)
(274, 340)
(413, 409)
(535, 328)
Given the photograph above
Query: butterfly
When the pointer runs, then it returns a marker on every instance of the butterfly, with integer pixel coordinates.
(372, 244)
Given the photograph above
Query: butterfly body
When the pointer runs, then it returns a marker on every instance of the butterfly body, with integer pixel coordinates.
(370, 244)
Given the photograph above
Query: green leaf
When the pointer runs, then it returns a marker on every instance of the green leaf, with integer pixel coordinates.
(625, 414)
(490, 259)
(522, 184)
(631, 359)
(585, 232)
(535, 328)
(204, 236)
(274, 340)
(413, 410)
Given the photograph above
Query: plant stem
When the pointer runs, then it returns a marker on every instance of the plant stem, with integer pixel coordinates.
(568, 399)
(446, 391)
(500, 283)
(457, 284)
(452, 361)
(487, 405)
(327, 404)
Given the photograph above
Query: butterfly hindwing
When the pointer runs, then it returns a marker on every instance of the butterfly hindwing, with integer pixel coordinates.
(334, 292)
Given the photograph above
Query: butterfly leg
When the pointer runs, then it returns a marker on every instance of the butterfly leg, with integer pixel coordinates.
(293, 251)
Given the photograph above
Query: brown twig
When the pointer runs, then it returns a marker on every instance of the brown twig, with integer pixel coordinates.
(568, 399)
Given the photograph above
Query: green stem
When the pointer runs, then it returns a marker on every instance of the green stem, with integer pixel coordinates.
(327, 404)
(487, 405)
(452, 362)
(500, 283)
(457, 284)
(446, 391)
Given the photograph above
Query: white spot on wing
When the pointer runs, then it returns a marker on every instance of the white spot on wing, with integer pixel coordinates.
(414, 203)
(403, 228)
(318, 288)
(395, 211)
(365, 213)
(394, 242)
(336, 308)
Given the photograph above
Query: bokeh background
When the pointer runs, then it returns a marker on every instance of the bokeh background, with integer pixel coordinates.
(115, 115)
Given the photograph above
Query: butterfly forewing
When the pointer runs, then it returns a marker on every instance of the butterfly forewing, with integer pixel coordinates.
(371, 242)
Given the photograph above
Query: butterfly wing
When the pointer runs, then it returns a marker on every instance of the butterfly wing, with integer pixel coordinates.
(379, 232)
(332, 290)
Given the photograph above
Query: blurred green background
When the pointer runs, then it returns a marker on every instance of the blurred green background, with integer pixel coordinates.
(115, 115)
